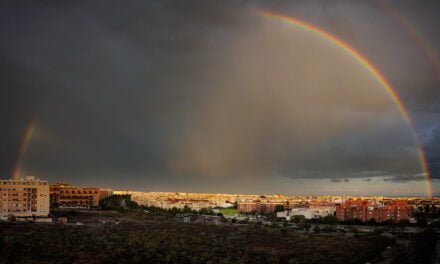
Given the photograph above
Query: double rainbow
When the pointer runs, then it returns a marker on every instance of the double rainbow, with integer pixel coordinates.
(357, 56)
(339, 43)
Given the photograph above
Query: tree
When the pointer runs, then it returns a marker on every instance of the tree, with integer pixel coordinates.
(270, 216)
(372, 221)
(283, 231)
(355, 232)
(174, 211)
(424, 243)
(131, 204)
(244, 221)
(422, 222)
(307, 227)
(316, 229)
(279, 208)
(1, 244)
(118, 202)
(330, 220)
(12, 218)
(186, 209)
(299, 219)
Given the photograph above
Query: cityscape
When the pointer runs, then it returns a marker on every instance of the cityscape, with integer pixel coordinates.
(293, 132)
(32, 200)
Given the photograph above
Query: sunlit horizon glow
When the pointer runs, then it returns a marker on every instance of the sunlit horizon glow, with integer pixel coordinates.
(392, 94)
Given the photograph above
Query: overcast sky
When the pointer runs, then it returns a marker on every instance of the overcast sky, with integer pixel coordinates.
(208, 96)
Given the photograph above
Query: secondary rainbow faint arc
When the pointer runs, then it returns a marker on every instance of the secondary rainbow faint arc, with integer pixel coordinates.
(367, 65)
(412, 32)
(22, 150)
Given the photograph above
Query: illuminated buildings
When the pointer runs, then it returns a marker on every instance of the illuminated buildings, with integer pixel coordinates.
(353, 209)
(364, 210)
(260, 207)
(195, 201)
(313, 205)
(247, 207)
(67, 196)
(27, 197)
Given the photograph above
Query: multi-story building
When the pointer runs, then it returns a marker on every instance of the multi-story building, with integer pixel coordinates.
(268, 207)
(104, 193)
(259, 206)
(363, 210)
(247, 207)
(67, 196)
(312, 212)
(24, 197)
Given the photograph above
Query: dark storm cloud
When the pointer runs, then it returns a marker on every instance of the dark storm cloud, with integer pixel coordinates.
(108, 80)
(336, 180)
(14, 92)
(432, 148)
(173, 91)
(333, 180)
(410, 65)
(404, 179)
(374, 28)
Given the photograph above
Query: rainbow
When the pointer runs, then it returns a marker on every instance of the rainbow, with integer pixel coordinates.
(22, 150)
(411, 31)
(357, 56)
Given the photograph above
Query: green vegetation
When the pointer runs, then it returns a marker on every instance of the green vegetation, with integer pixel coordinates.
(175, 242)
(418, 250)
(279, 208)
(132, 233)
(229, 211)
(298, 219)
(316, 229)
(123, 203)
(330, 220)
(118, 202)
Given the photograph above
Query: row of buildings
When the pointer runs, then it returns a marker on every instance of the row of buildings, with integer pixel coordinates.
(364, 210)
(347, 210)
(67, 196)
(260, 207)
(249, 203)
(31, 197)
(287, 210)
(195, 201)
(267, 206)
(313, 212)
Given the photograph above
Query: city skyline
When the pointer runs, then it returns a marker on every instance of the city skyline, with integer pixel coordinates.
(297, 98)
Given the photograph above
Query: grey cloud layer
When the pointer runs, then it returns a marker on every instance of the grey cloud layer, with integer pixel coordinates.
(166, 90)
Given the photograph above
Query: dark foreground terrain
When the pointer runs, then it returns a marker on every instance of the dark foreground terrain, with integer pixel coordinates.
(171, 242)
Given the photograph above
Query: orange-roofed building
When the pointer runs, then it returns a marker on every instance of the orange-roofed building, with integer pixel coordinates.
(364, 210)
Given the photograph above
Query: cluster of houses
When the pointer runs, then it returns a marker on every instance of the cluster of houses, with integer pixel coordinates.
(360, 209)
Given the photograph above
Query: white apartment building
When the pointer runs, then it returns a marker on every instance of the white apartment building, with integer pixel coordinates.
(308, 213)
